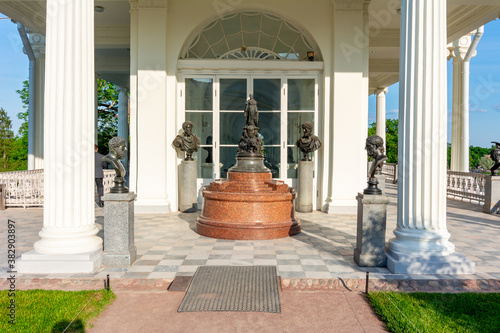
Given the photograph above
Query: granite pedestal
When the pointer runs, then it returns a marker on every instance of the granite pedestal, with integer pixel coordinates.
(370, 234)
(304, 202)
(119, 246)
(492, 195)
(188, 195)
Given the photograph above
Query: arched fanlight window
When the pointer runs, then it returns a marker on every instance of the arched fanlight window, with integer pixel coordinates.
(250, 35)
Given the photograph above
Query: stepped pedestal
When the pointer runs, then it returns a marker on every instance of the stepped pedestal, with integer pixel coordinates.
(248, 205)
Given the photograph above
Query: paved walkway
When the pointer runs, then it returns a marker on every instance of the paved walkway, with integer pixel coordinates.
(168, 246)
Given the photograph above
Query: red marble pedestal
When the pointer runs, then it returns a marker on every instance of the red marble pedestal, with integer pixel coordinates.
(248, 205)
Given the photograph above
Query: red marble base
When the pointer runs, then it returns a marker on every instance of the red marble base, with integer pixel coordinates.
(248, 206)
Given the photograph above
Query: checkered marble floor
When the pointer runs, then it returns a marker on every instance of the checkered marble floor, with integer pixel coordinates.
(168, 246)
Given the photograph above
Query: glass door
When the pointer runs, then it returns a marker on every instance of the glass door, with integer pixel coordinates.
(215, 105)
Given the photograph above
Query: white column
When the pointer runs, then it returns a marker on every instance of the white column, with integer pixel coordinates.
(148, 87)
(460, 106)
(381, 118)
(421, 244)
(38, 45)
(349, 112)
(68, 237)
(123, 120)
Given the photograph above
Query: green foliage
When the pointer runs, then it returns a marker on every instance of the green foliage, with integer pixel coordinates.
(107, 120)
(391, 137)
(6, 137)
(486, 162)
(435, 312)
(52, 310)
(476, 154)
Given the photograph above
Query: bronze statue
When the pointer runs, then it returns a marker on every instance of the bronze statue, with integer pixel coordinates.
(250, 140)
(375, 149)
(309, 142)
(251, 112)
(187, 141)
(495, 156)
(117, 148)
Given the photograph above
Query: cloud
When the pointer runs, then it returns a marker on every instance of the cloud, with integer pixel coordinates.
(479, 110)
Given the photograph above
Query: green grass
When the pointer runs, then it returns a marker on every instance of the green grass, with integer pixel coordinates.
(52, 310)
(435, 312)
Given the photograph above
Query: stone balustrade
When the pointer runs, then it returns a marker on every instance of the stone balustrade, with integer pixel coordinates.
(25, 188)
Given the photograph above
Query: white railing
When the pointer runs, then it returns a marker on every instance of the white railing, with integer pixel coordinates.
(466, 185)
(25, 188)
(391, 171)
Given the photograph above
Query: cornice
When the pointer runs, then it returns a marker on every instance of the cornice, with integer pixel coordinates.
(350, 5)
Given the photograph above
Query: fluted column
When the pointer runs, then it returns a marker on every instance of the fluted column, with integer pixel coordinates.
(68, 221)
(123, 120)
(381, 117)
(421, 244)
(38, 45)
(461, 52)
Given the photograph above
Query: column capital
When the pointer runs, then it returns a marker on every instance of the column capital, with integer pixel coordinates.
(121, 89)
(460, 47)
(37, 42)
(381, 90)
(350, 5)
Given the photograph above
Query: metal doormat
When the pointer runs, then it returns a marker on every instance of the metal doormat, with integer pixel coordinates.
(233, 288)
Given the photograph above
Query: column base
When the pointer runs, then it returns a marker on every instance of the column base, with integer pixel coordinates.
(33, 262)
(402, 263)
(341, 207)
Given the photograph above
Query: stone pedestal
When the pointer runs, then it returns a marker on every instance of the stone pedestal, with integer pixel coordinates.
(492, 195)
(304, 202)
(119, 247)
(248, 205)
(381, 182)
(188, 196)
(370, 239)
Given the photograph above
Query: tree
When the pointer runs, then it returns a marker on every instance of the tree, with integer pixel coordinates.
(486, 162)
(107, 119)
(391, 137)
(6, 137)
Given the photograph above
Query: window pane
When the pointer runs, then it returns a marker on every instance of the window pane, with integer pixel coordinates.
(203, 159)
(233, 94)
(270, 125)
(301, 94)
(199, 94)
(295, 121)
(227, 159)
(267, 94)
(272, 160)
(202, 125)
(294, 155)
(231, 127)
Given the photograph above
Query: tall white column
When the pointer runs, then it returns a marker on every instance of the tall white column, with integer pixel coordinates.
(68, 237)
(123, 120)
(380, 92)
(421, 244)
(148, 109)
(349, 111)
(37, 42)
(461, 52)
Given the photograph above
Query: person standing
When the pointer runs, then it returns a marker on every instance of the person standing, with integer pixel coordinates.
(99, 175)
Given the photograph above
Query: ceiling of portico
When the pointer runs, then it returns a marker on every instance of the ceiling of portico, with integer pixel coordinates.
(112, 32)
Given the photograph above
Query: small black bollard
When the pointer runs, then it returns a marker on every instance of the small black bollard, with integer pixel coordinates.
(107, 282)
(367, 281)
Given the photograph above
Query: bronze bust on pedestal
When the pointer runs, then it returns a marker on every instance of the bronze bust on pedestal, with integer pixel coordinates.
(375, 149)
(117, 148)
(187, 141)
(309, 142)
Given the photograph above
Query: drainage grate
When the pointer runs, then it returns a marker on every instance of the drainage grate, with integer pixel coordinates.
(233, 288)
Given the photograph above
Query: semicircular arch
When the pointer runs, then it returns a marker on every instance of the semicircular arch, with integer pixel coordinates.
(250, 34)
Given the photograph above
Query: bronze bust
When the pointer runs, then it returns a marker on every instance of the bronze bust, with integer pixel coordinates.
(495, 156)
(187, 141)
(375, 149)
(117, 148)
(309, 142)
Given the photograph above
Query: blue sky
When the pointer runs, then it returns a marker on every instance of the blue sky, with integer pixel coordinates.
(484, 91)
(484, 114)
